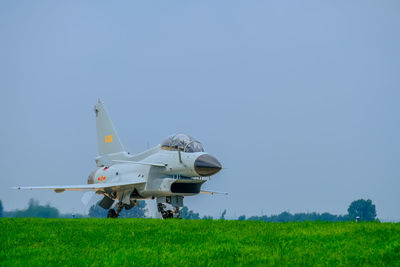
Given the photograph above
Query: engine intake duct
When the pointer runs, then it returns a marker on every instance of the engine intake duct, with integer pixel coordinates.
(192, 188)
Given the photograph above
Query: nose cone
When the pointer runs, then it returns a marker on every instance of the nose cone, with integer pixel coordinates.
(206, 165)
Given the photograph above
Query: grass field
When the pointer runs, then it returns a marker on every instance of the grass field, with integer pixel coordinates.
(195, 242)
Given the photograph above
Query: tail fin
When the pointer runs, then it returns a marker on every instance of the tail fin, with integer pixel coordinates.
(107, 137)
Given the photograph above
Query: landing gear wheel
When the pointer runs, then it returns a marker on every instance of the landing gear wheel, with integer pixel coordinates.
(166, 214)
(170, 214)
(177, 213)
(111, 213)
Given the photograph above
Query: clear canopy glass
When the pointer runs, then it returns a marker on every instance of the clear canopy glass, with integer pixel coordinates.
(182, 142)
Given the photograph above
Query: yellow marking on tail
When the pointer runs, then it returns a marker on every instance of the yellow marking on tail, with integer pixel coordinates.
(108, 138)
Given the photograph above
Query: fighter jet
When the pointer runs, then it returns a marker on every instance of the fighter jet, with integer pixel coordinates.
(168, 172)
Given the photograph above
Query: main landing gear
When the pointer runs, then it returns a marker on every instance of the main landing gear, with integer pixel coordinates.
(168, 214)
(111, 212)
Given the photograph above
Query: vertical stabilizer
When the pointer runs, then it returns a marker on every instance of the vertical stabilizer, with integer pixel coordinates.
(107, 137)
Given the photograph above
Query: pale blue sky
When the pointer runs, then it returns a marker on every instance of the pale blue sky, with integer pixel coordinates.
(298, 99)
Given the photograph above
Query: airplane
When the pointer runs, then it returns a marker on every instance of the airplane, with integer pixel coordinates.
(168, 172)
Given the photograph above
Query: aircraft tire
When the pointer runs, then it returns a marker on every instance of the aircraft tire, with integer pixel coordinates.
(111, 213)
(170, 214)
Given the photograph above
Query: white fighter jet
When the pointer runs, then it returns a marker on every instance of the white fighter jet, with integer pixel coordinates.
(176, 168)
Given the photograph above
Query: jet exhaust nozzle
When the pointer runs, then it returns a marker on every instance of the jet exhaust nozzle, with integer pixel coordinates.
(206, 165)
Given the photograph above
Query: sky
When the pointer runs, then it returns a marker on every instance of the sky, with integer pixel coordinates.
(299, 100)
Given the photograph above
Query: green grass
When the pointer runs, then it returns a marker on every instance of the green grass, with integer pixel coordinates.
(195, 242)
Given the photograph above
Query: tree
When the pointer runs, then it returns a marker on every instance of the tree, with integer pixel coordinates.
(285, 217)
(242, 218)
(297, 217)
(188, 214)
(1, 209)
(135, 212)
(327, 217)
(362, 208)
(96, 211)
(36, 210)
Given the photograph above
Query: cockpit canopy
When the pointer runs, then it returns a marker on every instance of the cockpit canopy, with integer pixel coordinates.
(182, 142)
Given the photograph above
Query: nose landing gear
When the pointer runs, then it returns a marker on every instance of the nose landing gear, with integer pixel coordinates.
(168, 214)
(175, 201)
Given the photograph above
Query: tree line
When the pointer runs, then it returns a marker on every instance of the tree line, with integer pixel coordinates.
(365, 210)
(34, 209)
